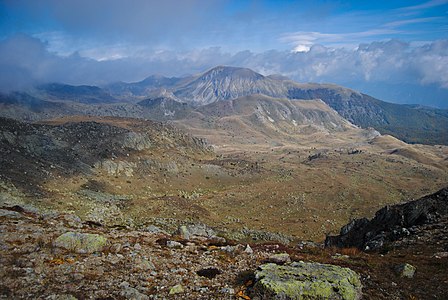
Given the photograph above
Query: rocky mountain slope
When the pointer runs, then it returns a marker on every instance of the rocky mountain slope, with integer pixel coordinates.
(58, 256)
(399, 222)
(88, 155)
(262, 120)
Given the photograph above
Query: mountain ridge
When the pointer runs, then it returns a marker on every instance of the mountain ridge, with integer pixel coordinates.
(413, 124)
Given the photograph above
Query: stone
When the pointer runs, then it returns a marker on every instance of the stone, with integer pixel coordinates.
(9, 213)
(177, 289)
(440, 255)
(196, 231)
(209, 273)
(405, 270)
(133, 294)
(279, 258)
(302, 280)
(155, 230)
(248, 250)
(144, 264)
(81, 242)
(228, 290)
(115, 248)
(174, 244)
(62, 297)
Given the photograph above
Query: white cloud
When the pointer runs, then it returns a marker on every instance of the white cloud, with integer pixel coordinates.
(411, 21)
(303, 40)
(25, 61)
(425, 5)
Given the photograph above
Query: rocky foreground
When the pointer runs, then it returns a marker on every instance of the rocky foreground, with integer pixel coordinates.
(58, 256)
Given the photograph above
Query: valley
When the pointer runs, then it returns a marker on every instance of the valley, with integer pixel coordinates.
(148, 189)
(296, 168)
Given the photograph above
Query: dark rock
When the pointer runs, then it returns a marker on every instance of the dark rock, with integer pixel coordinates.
(391, 223)
(209, 273)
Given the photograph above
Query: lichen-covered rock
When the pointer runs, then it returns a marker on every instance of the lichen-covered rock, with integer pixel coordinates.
(302, 280)
(177, 289)
(405, 270)
(81, 242)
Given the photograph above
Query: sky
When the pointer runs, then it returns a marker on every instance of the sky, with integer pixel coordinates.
(393, 50)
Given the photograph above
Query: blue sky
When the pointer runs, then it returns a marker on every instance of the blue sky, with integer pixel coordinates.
(396, 50)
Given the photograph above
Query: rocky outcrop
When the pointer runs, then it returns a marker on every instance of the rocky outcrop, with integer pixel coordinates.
(198, 232)
(302, 280)
(391, 222)
(116, 167)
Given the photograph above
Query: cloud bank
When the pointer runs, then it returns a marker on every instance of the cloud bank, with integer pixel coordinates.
(26, 61)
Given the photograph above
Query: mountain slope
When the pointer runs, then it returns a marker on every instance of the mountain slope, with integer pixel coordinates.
(408, 123)
(81, 93)
(34, 154)
(266, 121)
(142, 88)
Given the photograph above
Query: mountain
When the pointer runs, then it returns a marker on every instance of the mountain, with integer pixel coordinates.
(81, 93)
(165, 106)
(142, 88)
(410, 123)
(23, 106)
(223, 83)
(144, 99)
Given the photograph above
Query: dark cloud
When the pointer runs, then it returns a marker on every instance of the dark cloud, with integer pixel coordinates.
(148, 21)
(25, 61)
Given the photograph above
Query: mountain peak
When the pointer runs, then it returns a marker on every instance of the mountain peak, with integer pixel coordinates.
(223, 83)
(233, 72)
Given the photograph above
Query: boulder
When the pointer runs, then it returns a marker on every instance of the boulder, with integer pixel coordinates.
(279, 258)
(196, 231)
(81, 242)
(177, 289)
(302, 280)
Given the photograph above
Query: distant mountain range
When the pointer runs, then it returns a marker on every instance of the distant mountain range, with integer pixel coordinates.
(162, 98)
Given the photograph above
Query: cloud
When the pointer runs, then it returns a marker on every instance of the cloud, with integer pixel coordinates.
(25, 61)
(302, 40)
(141, 21)
(411, 21)
(426, 5)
